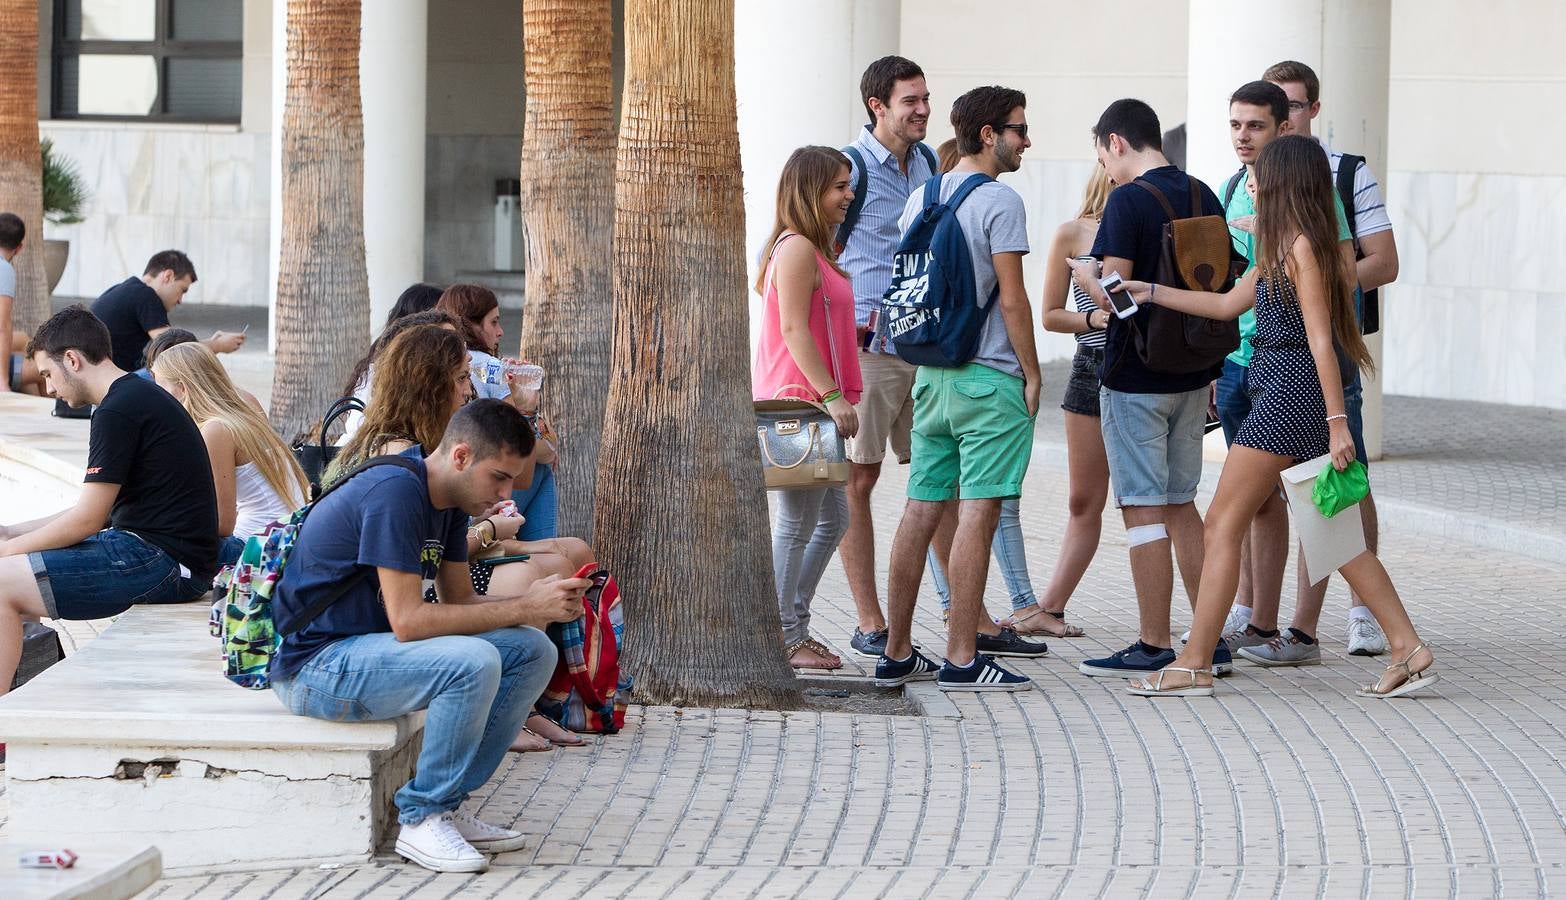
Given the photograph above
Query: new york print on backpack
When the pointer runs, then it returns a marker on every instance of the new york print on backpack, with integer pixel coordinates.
(932, 310)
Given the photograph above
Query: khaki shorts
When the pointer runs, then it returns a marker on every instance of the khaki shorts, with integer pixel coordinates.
(885, 409)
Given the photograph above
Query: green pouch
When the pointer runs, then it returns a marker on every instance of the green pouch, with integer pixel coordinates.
(1336, 491)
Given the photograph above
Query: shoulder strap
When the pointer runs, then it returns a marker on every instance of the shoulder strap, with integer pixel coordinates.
(1195, 188)
(1348, 165)
(1157, 195)
(401, 462)
(929, 157)
(861, 187)
(1228, 188)
(968, 186)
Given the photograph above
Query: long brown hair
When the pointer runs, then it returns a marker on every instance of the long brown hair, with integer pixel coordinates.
(210, 394)
(470, 303)
(1294, 196)
(409, 398)
(806, 176)
(389, 333)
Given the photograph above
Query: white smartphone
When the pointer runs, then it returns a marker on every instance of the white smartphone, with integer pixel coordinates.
(1119, 297)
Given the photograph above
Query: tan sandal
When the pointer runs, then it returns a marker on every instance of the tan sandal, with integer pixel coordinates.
(1154, 686)
(1067, 630)
(1412, 681)
(829, 660)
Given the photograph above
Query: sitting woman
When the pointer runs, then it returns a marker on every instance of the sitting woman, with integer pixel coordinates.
(477, 308)
(363, 374)
(422, 379)
(173, 337)
(257, 480)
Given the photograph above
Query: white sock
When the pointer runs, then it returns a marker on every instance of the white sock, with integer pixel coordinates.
(1360, 612)
(1243, 610)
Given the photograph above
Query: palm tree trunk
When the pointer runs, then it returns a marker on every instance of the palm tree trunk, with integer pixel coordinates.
(681, 515)
(323, 303)
(568, 203)
(21, 165)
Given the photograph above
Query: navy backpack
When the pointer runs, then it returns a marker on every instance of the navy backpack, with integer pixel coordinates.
(932, 308)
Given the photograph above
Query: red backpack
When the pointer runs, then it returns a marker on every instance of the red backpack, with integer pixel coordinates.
(588, 692)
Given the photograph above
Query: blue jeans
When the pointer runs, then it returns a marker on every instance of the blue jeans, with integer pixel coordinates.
(477, 691)
(1009, 553)
(540, 506)
(809, 527)
(229, 550)
(1233, 400)
(1354, 408)
(108, 573)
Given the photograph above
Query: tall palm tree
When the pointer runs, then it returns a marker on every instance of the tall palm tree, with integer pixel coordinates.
(323, 302)
(681, 515)
(568, 204)
(21, 165)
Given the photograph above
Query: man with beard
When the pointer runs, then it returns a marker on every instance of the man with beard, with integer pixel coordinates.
(888, 164)
(972, 432)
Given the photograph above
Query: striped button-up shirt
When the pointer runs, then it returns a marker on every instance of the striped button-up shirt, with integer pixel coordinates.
(868, 257)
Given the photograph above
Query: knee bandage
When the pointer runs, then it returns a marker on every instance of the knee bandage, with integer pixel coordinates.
(1138, 535)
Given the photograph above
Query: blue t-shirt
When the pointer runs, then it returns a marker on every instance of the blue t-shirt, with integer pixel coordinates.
(1133, 228)
(381, 518)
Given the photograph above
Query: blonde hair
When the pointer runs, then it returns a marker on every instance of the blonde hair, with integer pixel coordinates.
(210, 395)
(1096, 195)
(806, 176)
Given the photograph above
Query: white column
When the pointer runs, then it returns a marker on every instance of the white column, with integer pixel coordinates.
(1347, 42)
(392, 71)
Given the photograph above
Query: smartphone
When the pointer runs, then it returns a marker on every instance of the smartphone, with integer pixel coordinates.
(1119, 297)
(872, 328)
(497, 560)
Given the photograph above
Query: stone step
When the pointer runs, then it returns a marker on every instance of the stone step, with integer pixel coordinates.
(100, 873)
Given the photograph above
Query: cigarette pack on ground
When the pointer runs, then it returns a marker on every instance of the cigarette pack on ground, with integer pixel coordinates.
(46, 859)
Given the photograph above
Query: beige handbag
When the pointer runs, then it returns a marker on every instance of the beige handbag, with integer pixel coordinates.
(800, 445)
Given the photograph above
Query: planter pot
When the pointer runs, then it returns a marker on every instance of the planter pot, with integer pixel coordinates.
(55, 254)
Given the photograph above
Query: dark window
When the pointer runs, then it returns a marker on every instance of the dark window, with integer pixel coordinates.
(163, 60)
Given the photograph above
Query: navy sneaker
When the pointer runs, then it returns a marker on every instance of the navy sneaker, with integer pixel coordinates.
(893, 672)
(1009, 643)
(981, 675)
(1223, 660)
(868, 643)
(1137, 659)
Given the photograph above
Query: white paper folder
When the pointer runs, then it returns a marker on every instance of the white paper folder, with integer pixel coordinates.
(1328, 543)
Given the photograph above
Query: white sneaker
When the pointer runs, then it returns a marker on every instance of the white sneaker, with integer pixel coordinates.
(436, 845)
(1236, 622)
(484, 837)
(1365, 637)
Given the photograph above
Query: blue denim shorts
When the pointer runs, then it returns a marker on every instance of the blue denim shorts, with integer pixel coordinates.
(107, 574)
(1354, 408)
(1154, 445)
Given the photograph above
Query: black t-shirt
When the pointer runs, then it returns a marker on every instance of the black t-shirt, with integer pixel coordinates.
(1133, 228)
(144, 441)
(130, 309)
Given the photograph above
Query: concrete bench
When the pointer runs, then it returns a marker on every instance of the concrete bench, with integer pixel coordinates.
(139, 734)
(101, 873)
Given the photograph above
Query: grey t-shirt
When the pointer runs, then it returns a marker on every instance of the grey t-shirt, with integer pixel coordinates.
(7, 278)
(993, 221)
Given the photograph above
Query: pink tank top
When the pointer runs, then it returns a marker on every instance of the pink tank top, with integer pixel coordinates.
(831, 307)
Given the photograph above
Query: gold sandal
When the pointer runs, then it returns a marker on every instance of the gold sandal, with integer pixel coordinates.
(1412, 681)
(1154, 686)
(816, 647)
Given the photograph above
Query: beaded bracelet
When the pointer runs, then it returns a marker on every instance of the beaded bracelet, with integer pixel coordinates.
(1343, 416)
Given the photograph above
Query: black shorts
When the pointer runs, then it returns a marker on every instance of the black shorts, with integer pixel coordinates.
(1082, 387)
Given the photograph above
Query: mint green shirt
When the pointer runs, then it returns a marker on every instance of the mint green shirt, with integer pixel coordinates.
(1240, 205)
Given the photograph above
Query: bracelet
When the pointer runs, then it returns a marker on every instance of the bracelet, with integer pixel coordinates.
(1343, 416)
(1088, 317)
(833, 394)
(479, 533)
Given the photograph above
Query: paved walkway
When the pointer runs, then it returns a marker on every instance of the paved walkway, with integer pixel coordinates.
(1285, 784)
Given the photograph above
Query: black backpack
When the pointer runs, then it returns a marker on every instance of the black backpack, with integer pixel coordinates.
(862, 187)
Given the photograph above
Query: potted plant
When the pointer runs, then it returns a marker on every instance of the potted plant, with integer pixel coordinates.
(65, 196)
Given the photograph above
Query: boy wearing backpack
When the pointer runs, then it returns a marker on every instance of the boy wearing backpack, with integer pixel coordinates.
(1375, 250)
(975, 394)
(1152, 417)
(360, 642)
(887, 163)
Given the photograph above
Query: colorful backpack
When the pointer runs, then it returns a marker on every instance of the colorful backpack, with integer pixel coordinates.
(588, 692)
(242, 593)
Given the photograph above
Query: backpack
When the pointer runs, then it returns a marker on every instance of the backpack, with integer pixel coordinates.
(242, 593)
(931, 307)
(588, 692)
(1348, 164)
(1195, 254)
(862, 189)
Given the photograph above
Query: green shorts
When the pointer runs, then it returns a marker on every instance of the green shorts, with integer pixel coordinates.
(972, 435)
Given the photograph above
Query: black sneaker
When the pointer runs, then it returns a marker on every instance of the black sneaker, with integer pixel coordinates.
(869, 643)
(1010, 643)
(981, 675)
(1137, 659)
(894, 672)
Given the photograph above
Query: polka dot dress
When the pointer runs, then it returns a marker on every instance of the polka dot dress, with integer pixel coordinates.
(1288, 416)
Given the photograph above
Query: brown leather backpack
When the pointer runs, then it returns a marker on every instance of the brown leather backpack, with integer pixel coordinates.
(1195, 255)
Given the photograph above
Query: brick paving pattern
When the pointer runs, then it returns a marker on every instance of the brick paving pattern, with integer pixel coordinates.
(1285, 784)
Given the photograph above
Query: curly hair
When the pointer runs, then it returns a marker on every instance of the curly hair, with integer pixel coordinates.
(408, 400)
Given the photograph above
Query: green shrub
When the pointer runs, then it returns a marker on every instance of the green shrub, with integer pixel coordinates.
(65, 193)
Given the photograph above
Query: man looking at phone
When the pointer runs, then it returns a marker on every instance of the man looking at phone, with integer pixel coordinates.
(1376, 251)
(137, 309)
(475, 664)
(1153, 423)
(895, 165)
